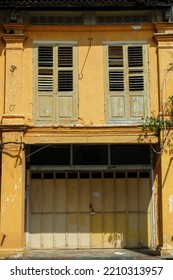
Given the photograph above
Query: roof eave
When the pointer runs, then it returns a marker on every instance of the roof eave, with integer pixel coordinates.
(72, 4)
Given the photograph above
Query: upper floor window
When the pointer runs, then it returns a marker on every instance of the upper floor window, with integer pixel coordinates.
(127, 88)
(56, 82)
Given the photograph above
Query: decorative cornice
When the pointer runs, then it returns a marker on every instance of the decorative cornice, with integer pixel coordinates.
(83, 3)
(164, 32)
(164, 27)
(14, 32)
(14, 28)
(163, 37)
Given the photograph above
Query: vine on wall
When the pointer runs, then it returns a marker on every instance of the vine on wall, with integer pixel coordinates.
(165, 121)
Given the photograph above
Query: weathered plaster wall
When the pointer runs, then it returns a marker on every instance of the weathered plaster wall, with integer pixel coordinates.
(12, 195)
(17, 108)
(2, 70)
(165, 58)
(91, 65)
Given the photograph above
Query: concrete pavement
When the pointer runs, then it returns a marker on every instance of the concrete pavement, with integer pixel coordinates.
(92, 254)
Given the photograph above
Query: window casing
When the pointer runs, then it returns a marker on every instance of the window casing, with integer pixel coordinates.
(127, 82)
(55, 82)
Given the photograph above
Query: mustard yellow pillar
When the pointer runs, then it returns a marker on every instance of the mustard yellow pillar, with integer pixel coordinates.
(164, 37)
(167, 202)
(12, 230)
(12, 194)
(13, 96)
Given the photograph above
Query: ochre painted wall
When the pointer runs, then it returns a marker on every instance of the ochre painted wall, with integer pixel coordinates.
(17, 99)
(165, 58)
(2, 70)
(91, 61)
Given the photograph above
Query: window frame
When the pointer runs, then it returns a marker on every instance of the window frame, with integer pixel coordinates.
(127, 120)
(55, 93)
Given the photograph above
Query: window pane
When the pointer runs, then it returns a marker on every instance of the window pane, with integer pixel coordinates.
(52, 155)
(130, 154)
(90, 155)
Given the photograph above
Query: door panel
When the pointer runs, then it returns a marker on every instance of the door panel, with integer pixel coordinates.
(60, 230)
(121, 230)
(72, 231)
(60, 196)
(132, 195)
(47, 231)
(90, 213)
(46, 107)
(66, 107)
(72, 203)
(120, 195)
(84, 230)
(47, 196)
(84, 195)
(96, 194)
(144, 194)
(108, 230)
(132, 230)
(35, 231)
(143, 230)
(108, 197)
(35, 196)
(96, 230)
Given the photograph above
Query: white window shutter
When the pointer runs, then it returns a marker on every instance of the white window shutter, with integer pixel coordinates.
(136, 82)
(56, 90)
(66, 58)
(45, 84)
(116, 83)
(126, 86)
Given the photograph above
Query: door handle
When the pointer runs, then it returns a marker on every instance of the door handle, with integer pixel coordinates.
(92, 211)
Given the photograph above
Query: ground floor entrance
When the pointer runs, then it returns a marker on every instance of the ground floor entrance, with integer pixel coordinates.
(90, 209)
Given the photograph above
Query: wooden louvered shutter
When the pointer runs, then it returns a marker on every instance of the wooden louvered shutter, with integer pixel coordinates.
(116, 83)
(56, 89)
(126, 82)
(66, 82)
(136, 81)
(45, 84)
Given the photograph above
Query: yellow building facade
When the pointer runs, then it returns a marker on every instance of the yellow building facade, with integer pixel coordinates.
(77, 170)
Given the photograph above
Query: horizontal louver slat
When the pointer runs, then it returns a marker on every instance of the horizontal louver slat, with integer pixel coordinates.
(45, 83)
(135, 63)
(136, 83)
(135, 56)
(45, 56)
(65, 57)
(65, 80)
(56, 82)
(116, 80)
(126, 82)
(115, 56)
(45, 70)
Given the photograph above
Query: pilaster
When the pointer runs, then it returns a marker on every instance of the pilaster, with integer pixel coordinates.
(164, 39)
(14, 38)
(12, 229)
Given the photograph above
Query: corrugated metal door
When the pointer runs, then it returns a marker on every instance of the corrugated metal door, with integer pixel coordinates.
(93, 212)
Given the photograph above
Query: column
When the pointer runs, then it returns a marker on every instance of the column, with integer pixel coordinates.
(12, 194)
(164, 38)
(12, 220)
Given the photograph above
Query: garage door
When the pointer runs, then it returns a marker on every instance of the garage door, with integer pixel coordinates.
(90, 210)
